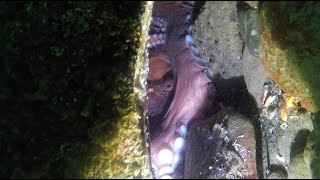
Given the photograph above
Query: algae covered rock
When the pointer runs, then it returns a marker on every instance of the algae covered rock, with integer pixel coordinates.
(312, 149)
(289, 47)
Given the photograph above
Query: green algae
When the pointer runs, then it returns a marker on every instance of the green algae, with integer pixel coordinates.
(289, 46)
(289, 42)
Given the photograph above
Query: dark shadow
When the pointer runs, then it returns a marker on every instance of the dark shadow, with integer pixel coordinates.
(65, 79)
(279, 170)
(233, 92)
(197, 9)
(314, 146)
(299, 143)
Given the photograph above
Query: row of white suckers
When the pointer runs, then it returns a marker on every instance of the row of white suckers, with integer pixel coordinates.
(161, 27)
(171, 159)
(199, 60)
(161, 40)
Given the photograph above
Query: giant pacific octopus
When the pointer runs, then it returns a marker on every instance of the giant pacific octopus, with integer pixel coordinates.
(179, 85)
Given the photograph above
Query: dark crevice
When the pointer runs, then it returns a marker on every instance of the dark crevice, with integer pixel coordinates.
(197, 9)
(299, 143)
(233, 93)
(276, 169)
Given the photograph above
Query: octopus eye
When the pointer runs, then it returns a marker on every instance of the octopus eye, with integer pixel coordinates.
(168, 86)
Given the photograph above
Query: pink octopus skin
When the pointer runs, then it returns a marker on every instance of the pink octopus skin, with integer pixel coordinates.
(191, 85)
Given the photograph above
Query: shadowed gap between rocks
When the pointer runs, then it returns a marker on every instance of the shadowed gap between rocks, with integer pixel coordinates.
(231, 97)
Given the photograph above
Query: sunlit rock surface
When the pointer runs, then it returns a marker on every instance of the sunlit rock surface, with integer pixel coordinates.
(125, 155)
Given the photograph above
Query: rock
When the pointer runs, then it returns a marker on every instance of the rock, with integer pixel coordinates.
(298, 169)
(217, 36)
(278, 173)
(283, 146)
(254, 76)
(222, 146)
(253, 72)
(243, 133)
(312, 150)
(289, 48)
(248, 22)
(253, 4)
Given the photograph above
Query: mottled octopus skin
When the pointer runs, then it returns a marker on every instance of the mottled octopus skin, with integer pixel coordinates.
(173, 71)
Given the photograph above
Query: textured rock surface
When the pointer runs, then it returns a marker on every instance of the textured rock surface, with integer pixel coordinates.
(253, 4)
(312, 150)
(283, 145)
(278, 173)
(217, 37)
(254, 75)
(253, 72)
(248, 21)
(298, 165)
(221, 147)
(243, 132)
(281, 151)
(289, 47)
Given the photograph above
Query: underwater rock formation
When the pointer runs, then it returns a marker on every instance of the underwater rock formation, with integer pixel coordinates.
(289, 47)
(222, 146)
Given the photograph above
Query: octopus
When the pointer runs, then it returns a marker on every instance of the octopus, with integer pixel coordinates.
(179, 84)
